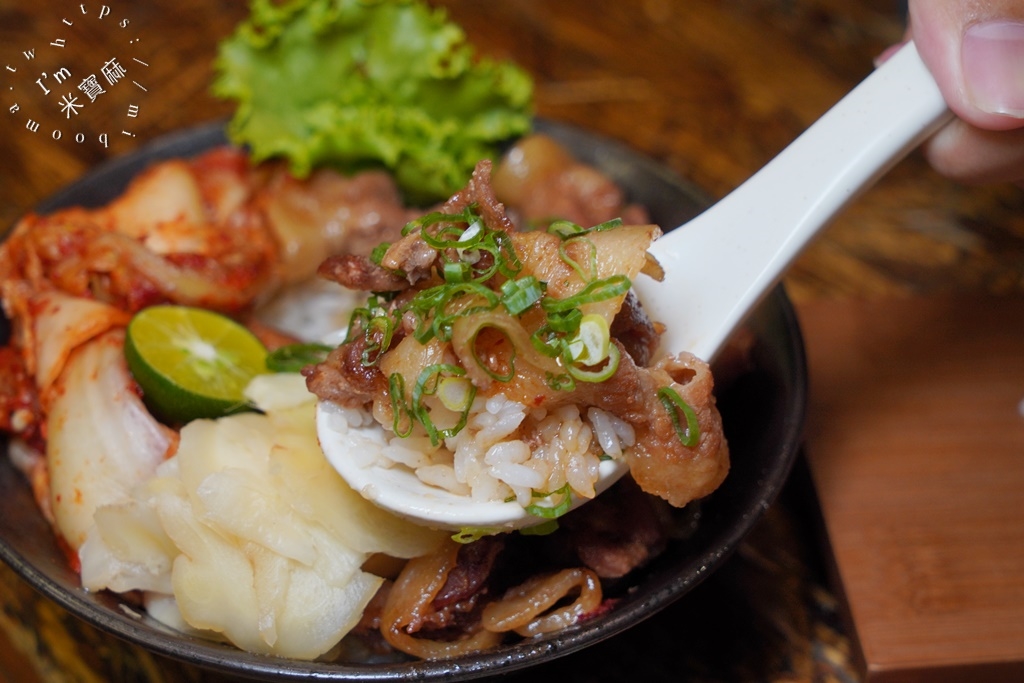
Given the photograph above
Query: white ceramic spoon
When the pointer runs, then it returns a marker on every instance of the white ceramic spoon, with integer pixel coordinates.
(717, 267)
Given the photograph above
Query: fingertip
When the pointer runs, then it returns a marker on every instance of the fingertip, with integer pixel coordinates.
(888, 52)
(975, 156)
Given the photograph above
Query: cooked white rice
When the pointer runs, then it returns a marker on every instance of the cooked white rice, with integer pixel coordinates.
(506, 451)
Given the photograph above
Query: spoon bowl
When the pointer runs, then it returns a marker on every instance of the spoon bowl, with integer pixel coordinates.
(718, 267)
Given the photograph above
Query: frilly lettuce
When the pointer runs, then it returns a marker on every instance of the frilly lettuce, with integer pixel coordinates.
(363, 83)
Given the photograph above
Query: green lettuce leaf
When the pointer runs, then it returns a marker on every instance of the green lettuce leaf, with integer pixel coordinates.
(355, 84)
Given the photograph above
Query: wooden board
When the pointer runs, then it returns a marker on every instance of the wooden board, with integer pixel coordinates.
(915, 442)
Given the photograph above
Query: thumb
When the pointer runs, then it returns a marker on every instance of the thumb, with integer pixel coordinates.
(975, 51)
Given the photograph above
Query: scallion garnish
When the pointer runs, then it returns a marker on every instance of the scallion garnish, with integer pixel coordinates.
(597, 374)
(562, 382)
(436, 308)
(607, 225)
(555, 511)
(565, 229)
(566, 322)
(598, 290)
(402, 422)
(519, 295)
(542, 529)
(675, 404)
(377, 255)
(506, 259)
(547, 342)
(470, 534)
(294, 357)
(455, 393)
(587, 272)
(591, 343)
(378, 334)
(427, 385)
(456, 272)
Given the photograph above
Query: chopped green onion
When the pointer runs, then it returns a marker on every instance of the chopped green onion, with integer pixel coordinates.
(403, 419)
(542, 529)
(607, 225)
(472, 533)
(510, 371)
(506, 259)
(294, 357)
(584, 374)
(377, 255)
(468, 215)
(551, 512)
(592, 341)
(562, 382)
(360, 319)
(598, 290)
(426, 385)
(456, 272)
(590, 272)
(547, 342)
(672, 401)
(567, 229)
(519, 295)
(443, 320)
(448, 237)
(469, 242)
(431, 308)
(455, 393)
(471, 235)
(378, 334)
(565, 321)
(564, 228)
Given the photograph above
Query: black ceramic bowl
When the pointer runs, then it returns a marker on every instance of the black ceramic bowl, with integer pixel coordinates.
(763, 410)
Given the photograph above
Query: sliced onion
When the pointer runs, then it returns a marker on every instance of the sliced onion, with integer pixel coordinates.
(523, 608)
(409, 600)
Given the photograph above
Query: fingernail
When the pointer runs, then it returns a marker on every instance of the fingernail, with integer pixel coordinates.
(993, 64)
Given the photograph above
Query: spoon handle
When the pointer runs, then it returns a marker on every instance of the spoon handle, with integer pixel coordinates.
(748, 239)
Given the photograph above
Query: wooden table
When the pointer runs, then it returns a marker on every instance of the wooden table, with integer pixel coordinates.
(712, 88)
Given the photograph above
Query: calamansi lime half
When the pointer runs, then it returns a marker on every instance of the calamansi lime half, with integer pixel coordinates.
(191, 363)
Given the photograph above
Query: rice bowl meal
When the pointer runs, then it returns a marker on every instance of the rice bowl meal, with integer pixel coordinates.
(170, 347)
(222, 521)
(766, 404)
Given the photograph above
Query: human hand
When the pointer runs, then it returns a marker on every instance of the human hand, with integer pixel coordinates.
(975, 51)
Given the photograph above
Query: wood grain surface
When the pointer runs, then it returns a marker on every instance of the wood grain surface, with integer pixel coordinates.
(915, 441)
(712, 88)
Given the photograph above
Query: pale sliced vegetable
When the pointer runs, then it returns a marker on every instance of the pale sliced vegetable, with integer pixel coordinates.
(279, 391)
(126, 550)
(164, 193)
(61, 323)
(318, 491)
(242, 504)
(103, 442)
(252, 533)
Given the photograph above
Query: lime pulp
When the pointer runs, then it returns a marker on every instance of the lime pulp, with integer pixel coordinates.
(191, 363)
